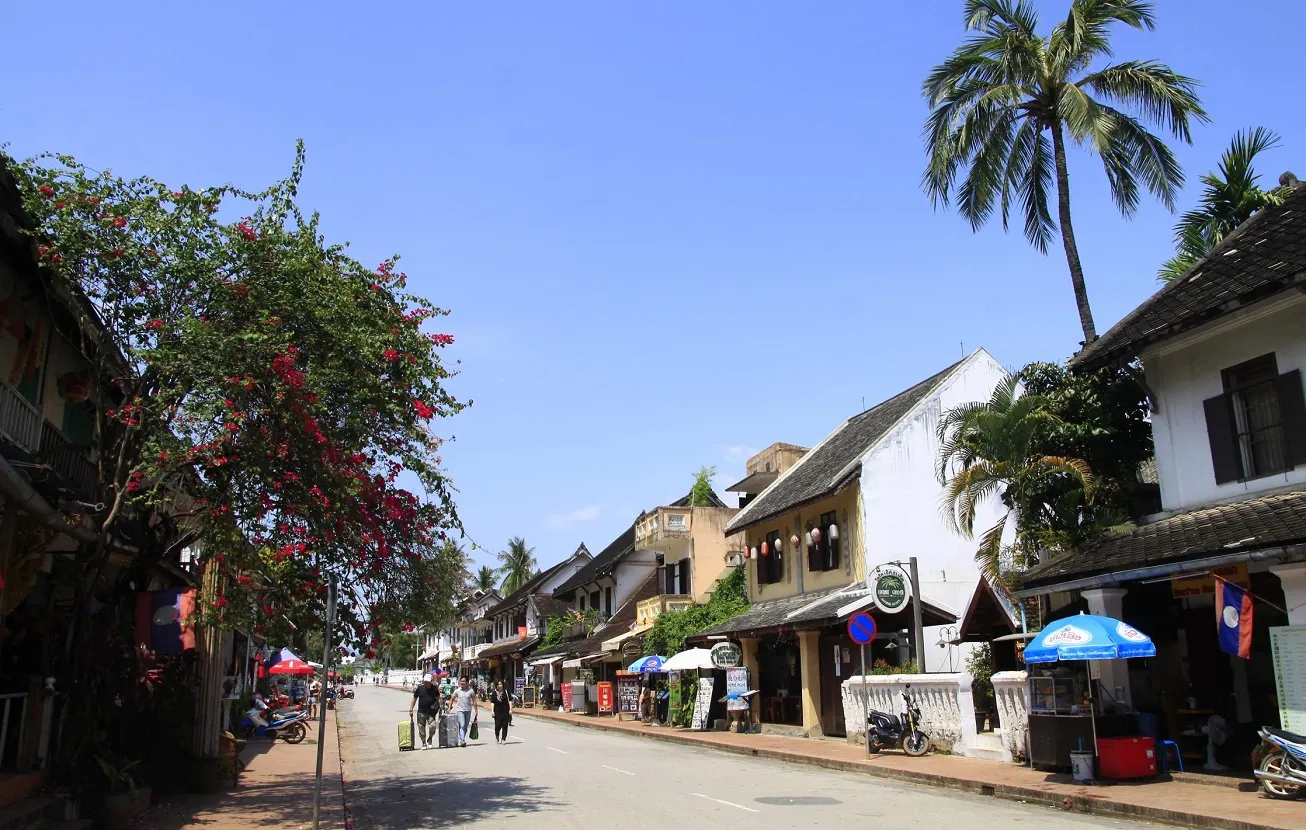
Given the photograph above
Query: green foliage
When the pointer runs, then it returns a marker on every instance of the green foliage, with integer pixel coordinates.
(517, 564)
(672, 628)
(884, 667)
(1229, 197)
(555, 631)
(485, 579)
(701, 494)
(120, 775)
(979, 663)
(1004, 102)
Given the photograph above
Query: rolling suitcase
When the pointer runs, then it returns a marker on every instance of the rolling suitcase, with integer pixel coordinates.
(405, 735)
(450, 730)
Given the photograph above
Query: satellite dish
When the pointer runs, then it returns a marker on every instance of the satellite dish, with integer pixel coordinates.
(167, 615)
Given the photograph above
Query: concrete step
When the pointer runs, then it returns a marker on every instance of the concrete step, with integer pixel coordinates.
(988, 747)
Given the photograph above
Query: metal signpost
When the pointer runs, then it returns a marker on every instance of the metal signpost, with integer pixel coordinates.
(321, 718)
(861, 628)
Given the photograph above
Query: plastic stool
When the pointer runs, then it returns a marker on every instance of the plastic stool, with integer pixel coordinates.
(1165, 756)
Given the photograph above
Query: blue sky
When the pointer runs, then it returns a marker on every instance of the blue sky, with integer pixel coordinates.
(670, 234)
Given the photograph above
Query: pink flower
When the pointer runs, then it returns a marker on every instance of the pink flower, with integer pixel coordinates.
(246, 231)
(155, 324)
(46, 190)
(391, 355)
(442, 339)
(423, 409)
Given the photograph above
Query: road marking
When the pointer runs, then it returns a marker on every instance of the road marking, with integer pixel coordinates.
(556, 750)
(614, 769)
(727, 803)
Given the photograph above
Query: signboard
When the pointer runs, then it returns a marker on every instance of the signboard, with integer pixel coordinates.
(528, 696)
(519, 683)
(891, 587)
(628, 694)
(726, 655)
(566, 697)
(1288, 645)
(605, 698)
(577, 695)
(631, 649)
(702, 703)
(736, 681)
(1204, 584)
(861, 628)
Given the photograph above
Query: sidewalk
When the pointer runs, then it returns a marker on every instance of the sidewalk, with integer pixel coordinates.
(275, 789)
(1172, 802)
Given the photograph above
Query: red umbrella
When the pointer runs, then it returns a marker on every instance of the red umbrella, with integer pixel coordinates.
(292, 667)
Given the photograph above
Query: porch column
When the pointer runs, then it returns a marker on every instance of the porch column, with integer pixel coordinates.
(809, 656)
(1293, 580)
(1113, 675)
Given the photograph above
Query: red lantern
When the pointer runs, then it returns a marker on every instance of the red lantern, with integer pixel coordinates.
(766, 550)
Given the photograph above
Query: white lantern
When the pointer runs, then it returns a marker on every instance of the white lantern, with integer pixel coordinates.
(834, 532)
(809, 538)
(816, 535)
(778, 546)
(752, 554)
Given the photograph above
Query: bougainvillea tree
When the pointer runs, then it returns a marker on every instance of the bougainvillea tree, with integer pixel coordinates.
(258, 389)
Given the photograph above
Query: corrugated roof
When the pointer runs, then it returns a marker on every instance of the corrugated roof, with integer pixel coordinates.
(832, 463)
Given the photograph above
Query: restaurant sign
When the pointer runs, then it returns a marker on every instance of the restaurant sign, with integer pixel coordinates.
(892, 588)
(726, 655)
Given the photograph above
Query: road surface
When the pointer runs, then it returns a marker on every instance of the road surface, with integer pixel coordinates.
(563, 776)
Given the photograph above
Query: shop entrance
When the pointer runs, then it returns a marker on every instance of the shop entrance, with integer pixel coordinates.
(780, 679)
(836, 667)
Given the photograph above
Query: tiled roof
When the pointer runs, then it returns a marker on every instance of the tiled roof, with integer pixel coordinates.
(833, 462)
(619, 622)
(601, 564)
(518, 597)
(773, 613)
(546, 606)
(814, 609)
(511, 647)
(1271, 521)
(1263, 257)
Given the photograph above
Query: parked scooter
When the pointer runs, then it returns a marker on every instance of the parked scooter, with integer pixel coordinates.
(291, 728)
(887, 730)
(1280, 763)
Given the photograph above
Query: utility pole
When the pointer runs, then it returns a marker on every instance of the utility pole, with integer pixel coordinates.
(918, 627)
(321, 717)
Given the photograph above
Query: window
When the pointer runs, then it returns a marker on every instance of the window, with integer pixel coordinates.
(824, 555)
(770, 568)
(582, 602)
(683, 572)
(594, 600)
(607, 601)
(669, 578)
(1258, 426)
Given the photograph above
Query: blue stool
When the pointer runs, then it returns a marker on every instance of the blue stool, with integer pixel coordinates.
(1148, 724)
(1165, 756)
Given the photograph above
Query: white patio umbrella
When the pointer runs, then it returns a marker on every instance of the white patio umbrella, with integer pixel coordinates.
(693, 659)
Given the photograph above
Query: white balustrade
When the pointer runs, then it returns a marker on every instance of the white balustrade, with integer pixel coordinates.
(1011, 691)
(947, 707)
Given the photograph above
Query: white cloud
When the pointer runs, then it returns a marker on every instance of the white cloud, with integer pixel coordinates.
(564, 521)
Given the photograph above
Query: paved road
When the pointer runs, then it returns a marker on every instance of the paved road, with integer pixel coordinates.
(580, 777)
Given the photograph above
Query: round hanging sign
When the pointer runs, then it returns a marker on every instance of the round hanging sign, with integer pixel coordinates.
(892, 588)
(726, 655)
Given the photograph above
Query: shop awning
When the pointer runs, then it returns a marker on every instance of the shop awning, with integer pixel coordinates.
(581, 662)
(548, 661)
(614, 644)
(430, 653)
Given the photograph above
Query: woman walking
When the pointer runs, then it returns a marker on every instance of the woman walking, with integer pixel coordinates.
(502, 702)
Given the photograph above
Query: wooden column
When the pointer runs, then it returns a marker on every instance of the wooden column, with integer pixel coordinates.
(209, 650)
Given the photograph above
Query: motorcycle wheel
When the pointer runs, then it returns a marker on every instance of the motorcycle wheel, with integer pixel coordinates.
(294, 734)
(916, 744)
(1279, 764)
(872, 747)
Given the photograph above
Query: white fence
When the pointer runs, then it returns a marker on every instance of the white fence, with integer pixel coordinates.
(947, 709)
(1011, 691)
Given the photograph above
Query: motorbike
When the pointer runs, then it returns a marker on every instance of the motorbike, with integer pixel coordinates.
(1280, 763)
(888, 730)
(290, 728)
(347, 693)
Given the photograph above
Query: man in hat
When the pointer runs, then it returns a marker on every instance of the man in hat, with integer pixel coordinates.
(426, 697)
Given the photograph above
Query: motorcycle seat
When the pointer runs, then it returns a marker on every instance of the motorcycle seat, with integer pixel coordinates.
(1286, 735)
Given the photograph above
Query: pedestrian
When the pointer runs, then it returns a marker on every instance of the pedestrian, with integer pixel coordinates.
(426, 697)
(502, 703)
(463, 703)
(314, 691)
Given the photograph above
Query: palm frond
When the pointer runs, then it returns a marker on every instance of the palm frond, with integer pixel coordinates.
(1153, 89)
(1133, 151)
(988, 557)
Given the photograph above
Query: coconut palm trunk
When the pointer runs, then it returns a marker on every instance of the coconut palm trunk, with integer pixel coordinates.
(1068, 236)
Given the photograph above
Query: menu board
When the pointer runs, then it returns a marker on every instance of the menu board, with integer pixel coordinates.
(528, 696)
(736, 681)
(702, 703)
(628, 694)
(605, 698)
(519, 683)
(1288, 644)
(566, 697)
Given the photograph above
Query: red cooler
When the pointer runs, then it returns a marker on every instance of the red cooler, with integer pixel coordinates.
(1126, 757)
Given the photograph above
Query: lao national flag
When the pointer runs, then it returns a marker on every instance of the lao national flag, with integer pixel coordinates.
(1233, 618)
(164, 620)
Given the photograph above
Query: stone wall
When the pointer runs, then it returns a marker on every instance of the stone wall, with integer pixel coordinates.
(1011, 691)
(947, 708)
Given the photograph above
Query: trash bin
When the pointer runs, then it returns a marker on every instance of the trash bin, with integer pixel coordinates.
(1081, 765)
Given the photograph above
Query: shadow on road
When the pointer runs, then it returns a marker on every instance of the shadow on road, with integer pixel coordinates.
(450, 799)
(275, 801)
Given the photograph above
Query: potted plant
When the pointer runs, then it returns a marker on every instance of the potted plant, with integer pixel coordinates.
(980, 666)
(126, 799)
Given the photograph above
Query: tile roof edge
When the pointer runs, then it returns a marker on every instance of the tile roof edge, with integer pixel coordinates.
(737, 522)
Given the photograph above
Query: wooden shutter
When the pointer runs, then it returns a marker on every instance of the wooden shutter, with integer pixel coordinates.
(1224, 443)
(669, 584)
(684, 570)
(813, 556)
(1292, 409)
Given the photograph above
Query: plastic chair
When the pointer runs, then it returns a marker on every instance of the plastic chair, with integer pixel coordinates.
(1148, 725)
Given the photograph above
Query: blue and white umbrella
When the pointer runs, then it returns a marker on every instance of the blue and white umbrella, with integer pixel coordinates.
(1088, 637)
(652, 663)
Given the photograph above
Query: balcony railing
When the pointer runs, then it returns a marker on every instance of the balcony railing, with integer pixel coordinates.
(70, 462)
(650, 609)
(20, 421)
(664, 523)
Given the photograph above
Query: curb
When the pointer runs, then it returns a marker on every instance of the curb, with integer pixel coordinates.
(1083, 804)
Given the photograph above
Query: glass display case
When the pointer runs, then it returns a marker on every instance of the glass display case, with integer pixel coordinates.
(1052, 695)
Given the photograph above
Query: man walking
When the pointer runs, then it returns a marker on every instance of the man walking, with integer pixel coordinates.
(462, 703)
(426, 697)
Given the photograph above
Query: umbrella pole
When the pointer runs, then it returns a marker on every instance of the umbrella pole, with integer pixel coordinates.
(1092, 712)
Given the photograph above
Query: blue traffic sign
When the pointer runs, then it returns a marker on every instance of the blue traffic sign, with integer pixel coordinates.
(861, 627)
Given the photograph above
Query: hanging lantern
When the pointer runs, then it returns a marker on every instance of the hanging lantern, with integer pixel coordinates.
(766, 551)
(816, 535)
(834, 533)
(809, 538)
(752, 554)
(793, 541)
(778, 546)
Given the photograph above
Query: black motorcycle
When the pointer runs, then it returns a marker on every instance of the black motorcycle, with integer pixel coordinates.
(887, 730)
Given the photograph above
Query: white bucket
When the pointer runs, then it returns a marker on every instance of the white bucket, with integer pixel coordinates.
(1081, 765)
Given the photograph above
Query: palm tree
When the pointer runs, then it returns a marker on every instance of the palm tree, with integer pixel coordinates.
(1230, 197)
(1003, 104)
(485, 579)
(989, 449)
(518, 564)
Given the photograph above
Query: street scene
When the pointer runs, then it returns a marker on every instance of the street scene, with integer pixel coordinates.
(439, 414)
